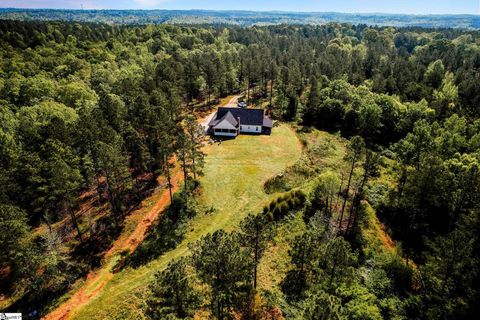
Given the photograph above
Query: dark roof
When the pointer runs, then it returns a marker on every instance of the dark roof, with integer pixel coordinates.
(253, 117)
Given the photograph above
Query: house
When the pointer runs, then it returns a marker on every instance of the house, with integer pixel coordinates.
(232, 121)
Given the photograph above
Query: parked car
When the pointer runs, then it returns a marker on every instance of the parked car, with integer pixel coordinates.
(242, 104)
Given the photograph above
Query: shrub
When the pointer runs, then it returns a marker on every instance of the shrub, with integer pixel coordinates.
(291, 203)
(270, 216)
(272, 205)
(276, 213)
(283, 208)
(297, 202)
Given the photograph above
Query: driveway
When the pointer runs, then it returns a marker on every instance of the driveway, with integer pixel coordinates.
(232, 103)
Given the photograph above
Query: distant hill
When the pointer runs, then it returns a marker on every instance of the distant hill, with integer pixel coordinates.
(242, 18)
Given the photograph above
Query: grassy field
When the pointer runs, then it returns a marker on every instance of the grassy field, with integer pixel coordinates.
(235, 171)
(322, 152)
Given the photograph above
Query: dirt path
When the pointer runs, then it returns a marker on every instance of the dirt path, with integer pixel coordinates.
(97, 279)
(233, 101)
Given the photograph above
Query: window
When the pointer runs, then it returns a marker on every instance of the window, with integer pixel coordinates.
(241, 128)
(256, 128)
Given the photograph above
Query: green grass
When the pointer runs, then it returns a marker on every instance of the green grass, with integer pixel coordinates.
(235, 171)
(322, 152)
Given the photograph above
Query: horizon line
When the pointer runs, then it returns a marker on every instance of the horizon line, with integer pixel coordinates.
(252, 11)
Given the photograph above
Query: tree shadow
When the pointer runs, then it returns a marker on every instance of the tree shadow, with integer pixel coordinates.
(163, 236)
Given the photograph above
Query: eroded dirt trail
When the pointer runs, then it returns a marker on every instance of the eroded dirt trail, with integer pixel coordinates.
(97, 279)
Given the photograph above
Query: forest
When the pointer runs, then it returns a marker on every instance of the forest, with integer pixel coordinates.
(242, 18)
(102, 111)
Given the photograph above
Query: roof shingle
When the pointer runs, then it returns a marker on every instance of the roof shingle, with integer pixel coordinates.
(253, 117)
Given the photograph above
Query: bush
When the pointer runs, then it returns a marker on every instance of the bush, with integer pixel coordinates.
(280, 206)
(276, 213)
(291, 203)
(272, 206)
(270, 216)
(283, 208)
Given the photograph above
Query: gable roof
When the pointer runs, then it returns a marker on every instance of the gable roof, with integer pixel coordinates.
(253, 117)
(228, 117)
(227, 122)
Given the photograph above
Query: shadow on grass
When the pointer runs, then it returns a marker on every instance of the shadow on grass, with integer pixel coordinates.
(163, 236)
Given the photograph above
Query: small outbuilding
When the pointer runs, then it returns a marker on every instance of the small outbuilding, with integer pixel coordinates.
(232, 121)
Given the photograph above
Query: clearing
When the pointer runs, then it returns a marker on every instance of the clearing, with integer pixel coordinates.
(235, 171)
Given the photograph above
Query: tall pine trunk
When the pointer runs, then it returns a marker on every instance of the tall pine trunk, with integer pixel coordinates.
(75, 224)
(346, 193)
(271, 92)
(169, 180)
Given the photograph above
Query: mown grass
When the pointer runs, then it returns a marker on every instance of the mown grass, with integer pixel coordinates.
(234, 173)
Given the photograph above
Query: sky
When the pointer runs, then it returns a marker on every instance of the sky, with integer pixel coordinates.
(383, 6)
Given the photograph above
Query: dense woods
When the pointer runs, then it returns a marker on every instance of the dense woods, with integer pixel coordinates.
(104, 110)
(242, 18)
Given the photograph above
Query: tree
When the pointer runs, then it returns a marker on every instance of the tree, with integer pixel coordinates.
(303, 255)
(320, 305)
(62, 179)
(223, 265)
(196, 134)
(445, 99)
(448, 272)
(336, 263)
(182, 151)
(434, 74)
(255, 235)
(370, 119)
(370, 168)
(325, 194)
(113, 165)
(355, 149)
(13, 230)
(173, 292)
(292, 107)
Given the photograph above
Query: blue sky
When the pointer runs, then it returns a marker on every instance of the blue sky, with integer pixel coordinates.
(388, 6)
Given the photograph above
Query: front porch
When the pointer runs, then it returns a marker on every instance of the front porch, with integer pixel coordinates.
(225, 132)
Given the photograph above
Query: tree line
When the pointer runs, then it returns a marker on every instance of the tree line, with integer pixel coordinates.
(94, 107)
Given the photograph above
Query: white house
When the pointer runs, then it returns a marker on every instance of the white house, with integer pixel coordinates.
(232, 121)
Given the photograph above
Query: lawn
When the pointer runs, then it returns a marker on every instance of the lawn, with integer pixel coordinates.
(234, 173)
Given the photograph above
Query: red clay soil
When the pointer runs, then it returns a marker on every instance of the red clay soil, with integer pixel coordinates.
(136, 237)
(124, 242)
(386, 239)
(99, 278)
(80, 297)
